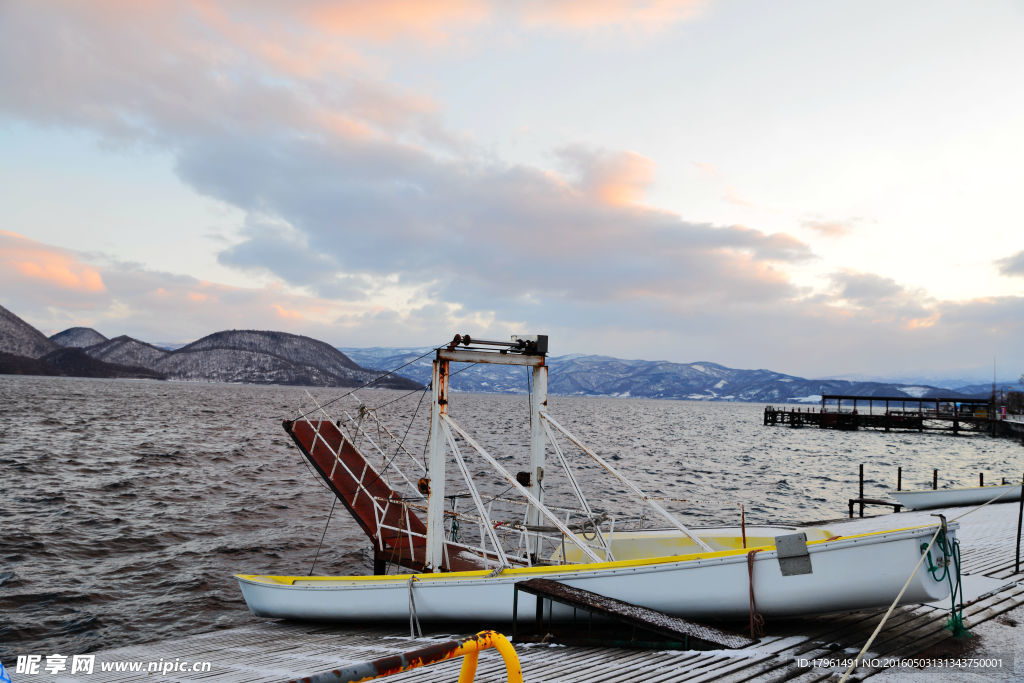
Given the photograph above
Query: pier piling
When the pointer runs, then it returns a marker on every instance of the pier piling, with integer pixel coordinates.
(1020, 517)
(862, 501)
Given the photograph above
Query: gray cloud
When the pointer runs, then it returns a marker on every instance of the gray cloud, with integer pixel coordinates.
(1012, 265)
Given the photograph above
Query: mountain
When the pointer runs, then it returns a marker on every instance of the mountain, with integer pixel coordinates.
(78, 337)
(584, 375)
(418, 367)
(77, 363)
(19, 338)
(12, 364)
(261, 357)
(127, 351)
(248, 356)
(985, 388)
(70, 362)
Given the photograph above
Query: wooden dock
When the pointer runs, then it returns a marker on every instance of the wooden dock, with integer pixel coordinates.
(276, 651)
(900, 413)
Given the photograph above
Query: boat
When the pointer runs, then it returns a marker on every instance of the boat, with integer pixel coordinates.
(463, 564)
(927, 499)
(848, 573)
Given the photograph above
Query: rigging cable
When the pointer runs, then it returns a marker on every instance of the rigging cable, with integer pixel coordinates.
(323, 536)
(371, 382)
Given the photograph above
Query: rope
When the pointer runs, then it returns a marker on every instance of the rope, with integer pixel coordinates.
(951, 552)
(756, 620)
(405, 395)
(415, 630)
(888, 612)
(335, 502)
(975, 509)
(424, 388)
(370, 383)
(398, 447)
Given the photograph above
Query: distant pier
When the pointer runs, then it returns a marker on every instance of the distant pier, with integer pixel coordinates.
(888, 413)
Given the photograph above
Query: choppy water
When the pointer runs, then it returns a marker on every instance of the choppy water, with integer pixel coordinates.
(127, 506)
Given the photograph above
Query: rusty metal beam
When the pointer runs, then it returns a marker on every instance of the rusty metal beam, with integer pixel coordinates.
(469, 648)
(493, 357)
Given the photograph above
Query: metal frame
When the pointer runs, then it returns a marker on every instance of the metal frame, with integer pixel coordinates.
(517, 352)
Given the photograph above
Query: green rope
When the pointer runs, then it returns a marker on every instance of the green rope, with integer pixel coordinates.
(941, 572)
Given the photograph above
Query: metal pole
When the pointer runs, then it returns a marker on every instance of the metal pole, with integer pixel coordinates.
(436, 469)
(935, 479)
(538, 403)
(899, 478)
(981, 478)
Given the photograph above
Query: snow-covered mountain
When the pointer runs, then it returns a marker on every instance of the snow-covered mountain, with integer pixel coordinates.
(247, 356)
(78, 338)
(262, 357)
(585, 375)
(18, 338)
(127, 351)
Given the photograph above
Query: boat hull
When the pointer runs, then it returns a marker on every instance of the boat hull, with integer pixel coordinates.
(938, 498)
(851, 572)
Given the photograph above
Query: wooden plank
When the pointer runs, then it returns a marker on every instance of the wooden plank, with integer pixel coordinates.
(633, 615)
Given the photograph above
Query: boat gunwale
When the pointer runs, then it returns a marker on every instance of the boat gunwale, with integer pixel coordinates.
(609, 568)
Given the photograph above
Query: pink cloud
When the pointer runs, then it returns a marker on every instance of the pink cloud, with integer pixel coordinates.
(613, 178)
(589, 14)
(287, 314)
(390, 19)
(733, 197)
(48, 266)
(830, 228)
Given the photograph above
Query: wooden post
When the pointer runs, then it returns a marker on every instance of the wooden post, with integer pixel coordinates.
(899, 478)
(935, 479)
(1020, 516)
(981, 478)
(862, 489)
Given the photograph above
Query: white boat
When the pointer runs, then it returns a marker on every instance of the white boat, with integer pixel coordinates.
(465, 563)
(848, 572)
(926, 499)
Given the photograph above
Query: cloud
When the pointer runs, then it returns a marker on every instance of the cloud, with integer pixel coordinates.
(614, 178)
(473, 233)
(752, 321)
(885, 300)
(648, 15)
(377, 224)
(390, 19)
(1012, 265)
(732, 196)
(830, 228)
(48, 270)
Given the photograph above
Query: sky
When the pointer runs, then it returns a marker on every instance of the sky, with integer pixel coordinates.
(822, 189)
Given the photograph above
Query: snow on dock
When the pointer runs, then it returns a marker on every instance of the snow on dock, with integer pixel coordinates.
(277, 651)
